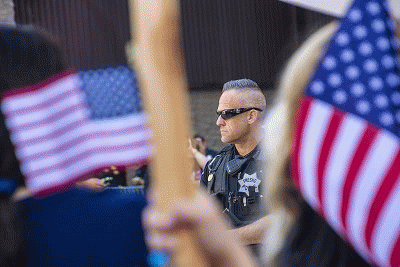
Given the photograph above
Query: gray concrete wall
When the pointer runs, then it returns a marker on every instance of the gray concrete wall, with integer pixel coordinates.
(203, 104)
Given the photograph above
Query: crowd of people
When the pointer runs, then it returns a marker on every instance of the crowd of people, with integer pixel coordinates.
(248, 210)
(296, 232)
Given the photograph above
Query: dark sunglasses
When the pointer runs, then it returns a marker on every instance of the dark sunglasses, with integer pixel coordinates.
(229, 113)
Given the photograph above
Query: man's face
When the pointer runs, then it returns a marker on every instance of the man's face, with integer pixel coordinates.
(235, 129)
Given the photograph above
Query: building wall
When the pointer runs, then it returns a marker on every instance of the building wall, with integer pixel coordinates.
(90, 32)
(223, 40)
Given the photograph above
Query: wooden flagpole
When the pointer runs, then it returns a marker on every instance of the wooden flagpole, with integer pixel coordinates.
(158, 59)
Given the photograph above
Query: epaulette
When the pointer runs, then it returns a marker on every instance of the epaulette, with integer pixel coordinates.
(216, 161)
(226, 149)
(214, 164)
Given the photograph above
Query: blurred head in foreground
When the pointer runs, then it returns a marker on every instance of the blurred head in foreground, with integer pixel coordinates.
(283, 198)
(334, 171)
(26, 58)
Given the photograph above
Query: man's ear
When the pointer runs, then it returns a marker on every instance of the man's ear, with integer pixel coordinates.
(253, 116)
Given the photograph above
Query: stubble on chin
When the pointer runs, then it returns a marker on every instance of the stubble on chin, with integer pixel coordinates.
(225, 139)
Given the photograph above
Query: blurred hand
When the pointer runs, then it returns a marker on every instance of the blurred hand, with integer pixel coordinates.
(192, 150)
(202, 217)
(92, 183)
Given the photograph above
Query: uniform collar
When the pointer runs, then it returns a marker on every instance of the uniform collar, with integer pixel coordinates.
(255, 153)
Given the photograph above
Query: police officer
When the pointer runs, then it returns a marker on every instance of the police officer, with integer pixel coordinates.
(235, 176)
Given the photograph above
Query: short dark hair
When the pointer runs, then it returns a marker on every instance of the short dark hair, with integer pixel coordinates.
(26, 58)
(241, 83)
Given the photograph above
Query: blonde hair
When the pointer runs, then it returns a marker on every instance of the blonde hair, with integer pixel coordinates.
(283, 204)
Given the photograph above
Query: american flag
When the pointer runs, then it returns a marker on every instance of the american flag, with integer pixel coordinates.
(346, 157)
(75, 124)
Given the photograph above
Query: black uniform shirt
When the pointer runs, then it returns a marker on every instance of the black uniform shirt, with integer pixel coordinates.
(242, 185)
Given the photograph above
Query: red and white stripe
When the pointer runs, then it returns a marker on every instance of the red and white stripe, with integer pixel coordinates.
(348, 170)
(58, 143)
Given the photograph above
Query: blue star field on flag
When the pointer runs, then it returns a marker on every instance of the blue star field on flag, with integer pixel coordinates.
(359, 72)
(111, 91)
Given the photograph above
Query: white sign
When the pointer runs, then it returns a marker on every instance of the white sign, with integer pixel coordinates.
(337, 8)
